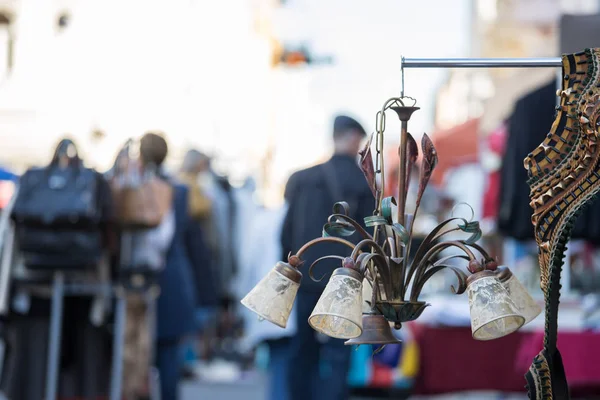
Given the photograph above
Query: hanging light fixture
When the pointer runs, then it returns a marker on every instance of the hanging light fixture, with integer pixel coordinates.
(525, 304)
(273, 297)
(379, 269)
(338, 312)
(493, 313)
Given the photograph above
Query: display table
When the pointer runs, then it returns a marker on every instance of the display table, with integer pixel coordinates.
(451, 361)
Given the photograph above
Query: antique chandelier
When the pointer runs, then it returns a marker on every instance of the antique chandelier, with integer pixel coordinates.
(376, 284)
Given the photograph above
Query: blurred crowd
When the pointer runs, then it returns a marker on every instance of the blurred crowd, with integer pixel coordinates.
(210, 249)
(210, 246)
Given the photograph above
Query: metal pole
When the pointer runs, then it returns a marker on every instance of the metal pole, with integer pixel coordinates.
(402, 171)
(481, 62)
(118, 347)
(53, 361)
(116, 380)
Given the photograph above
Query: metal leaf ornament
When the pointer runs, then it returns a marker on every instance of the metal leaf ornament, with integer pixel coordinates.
(366, 165)
(337, 224)
(429, 162)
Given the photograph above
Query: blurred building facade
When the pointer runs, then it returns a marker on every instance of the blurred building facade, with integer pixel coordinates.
(504, 28)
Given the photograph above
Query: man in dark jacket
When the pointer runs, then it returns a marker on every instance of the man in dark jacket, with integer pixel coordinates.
(318, 366)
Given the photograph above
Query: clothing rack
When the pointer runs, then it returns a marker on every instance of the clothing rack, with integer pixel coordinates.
(61, 288)
(481, 62)
(547, 62)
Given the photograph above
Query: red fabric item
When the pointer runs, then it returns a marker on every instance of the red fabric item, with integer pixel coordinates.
(580, 353)
(496, 142)
(382, 376)
(452, 361)
(455, 147)
(492, 195)
(6, 191)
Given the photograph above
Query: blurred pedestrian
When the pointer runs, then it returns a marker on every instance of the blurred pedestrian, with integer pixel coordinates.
(176, 304)
(260, 254)
(193, 164)
(219, 224)
(199, 208)
(318, 366)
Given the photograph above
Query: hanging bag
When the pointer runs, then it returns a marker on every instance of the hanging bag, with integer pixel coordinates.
(58, 211)
(142, 199)
(64, 193)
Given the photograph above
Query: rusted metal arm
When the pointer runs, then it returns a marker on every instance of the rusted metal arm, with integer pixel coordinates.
(330, 239)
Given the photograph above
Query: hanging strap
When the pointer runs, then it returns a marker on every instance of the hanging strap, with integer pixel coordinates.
(123, 154)
(62, 150)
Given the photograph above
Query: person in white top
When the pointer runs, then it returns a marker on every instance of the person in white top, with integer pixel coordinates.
(260, 254)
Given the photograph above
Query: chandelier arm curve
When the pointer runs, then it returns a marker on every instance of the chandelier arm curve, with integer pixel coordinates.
(363, 243)
(387, 245)
(442, 233)
(391, 244)
(434, 235)
(434, 269)
(480, 250)
(443, 260)
(329, 239)
(437, 233)
(441, 263)
(377, 264)
(421, 265)
(318, 260)
(352, 222)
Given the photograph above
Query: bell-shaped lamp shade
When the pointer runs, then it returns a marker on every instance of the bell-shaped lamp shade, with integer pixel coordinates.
(338, 312)
(376, 330)
(526, 305)
(493, 313)
(273, 297)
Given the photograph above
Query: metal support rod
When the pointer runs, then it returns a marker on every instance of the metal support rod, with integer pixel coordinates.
(402, 172)
(53, 361)
(550, 62)
(118, 348)
(481, 62)
(116, 381)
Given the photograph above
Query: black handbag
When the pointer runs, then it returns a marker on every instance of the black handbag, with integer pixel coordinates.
(59, 249)
(61, 194)
(58, 213)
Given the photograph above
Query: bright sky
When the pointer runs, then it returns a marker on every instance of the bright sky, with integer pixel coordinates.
(196, 70)
(367, 40)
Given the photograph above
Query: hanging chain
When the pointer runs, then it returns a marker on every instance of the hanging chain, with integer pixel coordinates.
(379, 161)
(379, 153)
